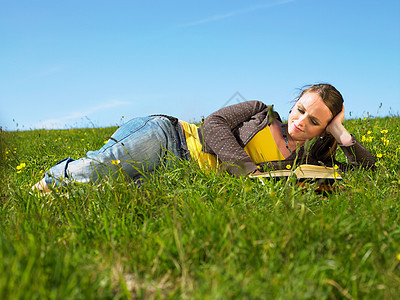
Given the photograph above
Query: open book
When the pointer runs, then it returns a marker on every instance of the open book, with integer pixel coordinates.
(304, 172)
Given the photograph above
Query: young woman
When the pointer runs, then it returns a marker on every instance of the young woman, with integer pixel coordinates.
(240, 138)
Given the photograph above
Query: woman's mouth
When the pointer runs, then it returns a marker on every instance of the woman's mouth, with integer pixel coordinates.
(297, 128)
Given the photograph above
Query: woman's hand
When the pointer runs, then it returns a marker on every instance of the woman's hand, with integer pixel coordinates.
(336, 128)
(338, 120)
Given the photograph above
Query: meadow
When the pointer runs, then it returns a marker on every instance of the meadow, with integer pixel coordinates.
(190, 234)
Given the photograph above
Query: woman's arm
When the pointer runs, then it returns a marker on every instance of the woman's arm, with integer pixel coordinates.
(218, 134)
(355, 152)
(336, 128)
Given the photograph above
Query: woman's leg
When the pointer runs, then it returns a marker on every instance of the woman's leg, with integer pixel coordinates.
(138, 147)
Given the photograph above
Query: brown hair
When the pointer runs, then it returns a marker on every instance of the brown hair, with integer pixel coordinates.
(325, 146)
(329, 94)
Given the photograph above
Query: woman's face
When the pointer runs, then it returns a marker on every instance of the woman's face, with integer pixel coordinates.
(309, 117)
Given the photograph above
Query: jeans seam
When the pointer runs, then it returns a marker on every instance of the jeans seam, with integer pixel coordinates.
(137, 129)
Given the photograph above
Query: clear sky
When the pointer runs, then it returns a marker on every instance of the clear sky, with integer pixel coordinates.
(78, 63)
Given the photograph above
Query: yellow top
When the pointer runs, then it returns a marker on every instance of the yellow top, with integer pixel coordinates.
(205, 160)
(261, 148)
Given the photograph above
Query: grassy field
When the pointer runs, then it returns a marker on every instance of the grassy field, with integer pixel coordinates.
(192, 235)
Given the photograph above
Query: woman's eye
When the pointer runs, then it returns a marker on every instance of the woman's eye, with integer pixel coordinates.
(314, 122)
(300, 110)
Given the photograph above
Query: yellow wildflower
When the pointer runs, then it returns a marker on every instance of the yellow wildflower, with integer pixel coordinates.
(116, 162)
(385, 141)
(335, 167)
(82, 140)
(288, 167)
(105, 142)
(369, 132)
(21, 166)
(367, 139)
(335, 174)
(384, 131)
(379, 155)
(398, 256)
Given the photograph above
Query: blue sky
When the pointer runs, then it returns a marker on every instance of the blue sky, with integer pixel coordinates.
(78, 63)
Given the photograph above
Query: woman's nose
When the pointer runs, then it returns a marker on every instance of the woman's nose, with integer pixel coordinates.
(301, 120)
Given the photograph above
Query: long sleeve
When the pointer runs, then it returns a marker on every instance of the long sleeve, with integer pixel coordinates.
(358, 155)
(228, 130)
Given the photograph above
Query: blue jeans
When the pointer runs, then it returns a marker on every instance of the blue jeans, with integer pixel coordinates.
(138, 148)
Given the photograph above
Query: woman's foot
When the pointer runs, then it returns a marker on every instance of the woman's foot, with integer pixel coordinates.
(41, 186)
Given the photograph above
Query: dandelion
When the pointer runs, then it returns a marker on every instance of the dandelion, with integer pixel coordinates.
(385, 141)
(116, 162)
(379, 155)
(288, 167)
(384, 131)
(398, 256)
(369, 139)
(369, 132)
(366, 139)
(20, 167)
(82, 140)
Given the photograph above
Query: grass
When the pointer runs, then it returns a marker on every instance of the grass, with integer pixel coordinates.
(185, 233)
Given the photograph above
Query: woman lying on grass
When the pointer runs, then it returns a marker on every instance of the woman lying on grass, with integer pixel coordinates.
(240, 138)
